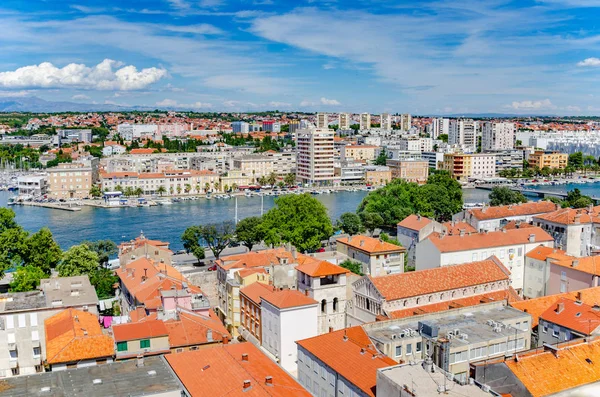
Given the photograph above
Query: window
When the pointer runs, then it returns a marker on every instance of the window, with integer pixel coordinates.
(10, 322)
(474, 257)
(545, 329)
(22, 321)
(323, 306)
(458, 357)
(33, 319)
(35, 336)
(520, 251)
(335, 304)
(121, 346)
(39, 368)
(555, 332)
(15, 371)
(563, 275)
(408, 349)
(398, 351)
(501, 254)
(418, 347)
(36, 352)
(13, 354)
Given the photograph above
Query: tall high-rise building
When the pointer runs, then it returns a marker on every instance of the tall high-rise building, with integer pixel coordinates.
(240, 127)
(386, 121)
(293, 126)
(322, 120)
(498, 136)
(405, 122)
(365, 121)
(438, 127)
(463, 132)
(315, 154)
(344, 121)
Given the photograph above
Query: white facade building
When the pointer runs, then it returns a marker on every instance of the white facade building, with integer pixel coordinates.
(463, 132)
(438, 127)
(322, 120)
(344, 121)
(365, 121)
(129, 132)
(240, 127)
(385, 121)
(33, 185)
(405, 122)
(315, 155)
(498, 136)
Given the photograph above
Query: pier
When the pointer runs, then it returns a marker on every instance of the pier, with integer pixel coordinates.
(54, 206)
(536, 192)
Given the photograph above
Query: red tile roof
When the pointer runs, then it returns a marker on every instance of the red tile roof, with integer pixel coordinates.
(260, 259)
(75, 335)
(587, 264)
(369, 244)
(488, 240)
(193, 329)
(321, 269)
(220, 371)
(140, 330)
(350, 353)
(445, 278)
(458, 227)
(573, 315)
(542, 253)
(570, 216)
(257, 290)
(286, 299)
(506, 211)
(414, 222)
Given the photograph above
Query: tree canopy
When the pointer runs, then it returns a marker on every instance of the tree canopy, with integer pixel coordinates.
(248, 231)
(191, 241)
(354, 267)
(350, 223)
(26, 278)
(78, 260)
(300, 220)
(502, 195)
(216, 237)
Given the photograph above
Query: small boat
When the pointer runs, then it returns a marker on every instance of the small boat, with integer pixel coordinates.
(11, 201)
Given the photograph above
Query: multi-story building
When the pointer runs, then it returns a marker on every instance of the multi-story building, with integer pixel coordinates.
(405, 122)
(23, 336)
(70, 181)
(293, 126)
(414, 144)
(498, 136)
(74, 135)
(271, 126)
(377, 257)
(414, 229)
(409, 170)
(255, 165)
(495, 218)
(325, 283)
(463, 166)
(509, 159)
(435, 159)
(344, 121)
(546, 158)
(287, 316)
(315, 156)
(32, 185)
(322, 120)
(509, 246)
(175, 182)
(377, 175)
(359, 152)
(463, 132)
(365, 121)
(250, 311)
(240, 127)
(425, 291)
(439, 126)
(283, 162)
(567, 320)
(349, 172)
(385, 121)
(129, 132)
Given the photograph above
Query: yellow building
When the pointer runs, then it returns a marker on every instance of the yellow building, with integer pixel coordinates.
(242, 278)
(541, 159)
(463, 166)
(378, 176)
(409, 170)
(359, 152)
(70, 180)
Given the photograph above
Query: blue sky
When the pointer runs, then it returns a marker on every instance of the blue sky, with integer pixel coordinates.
(427, 57)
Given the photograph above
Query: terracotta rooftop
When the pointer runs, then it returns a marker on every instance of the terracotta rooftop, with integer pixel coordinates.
(414, 222)
(506, 211)
(257, 290)
(517, 225)
(321, 269)
(140, 330)
(570, 216)
(286, 299)
(488, 240)
(445, 278)
(221, 371)
(535, 307)
(193, 329)
(369, 244)
(350, 353)
(587, 264)
(542, 253)
(75, 335)
(453, 228)
(543, 373)
(260, 259)
(573, 315)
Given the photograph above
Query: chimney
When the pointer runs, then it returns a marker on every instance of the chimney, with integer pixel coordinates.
(462, 232)
(244, 356)
(442, 234)
(418, 217)
(362, 242)
(247, 385)
(209, 335)
(575, 263)
(269, 381)
(363, 350)
(140, 361)
(560, 307)
(577, 219)
(578, 296)
(225, 340)
(532, 238)
(330, 329)
(294, 253)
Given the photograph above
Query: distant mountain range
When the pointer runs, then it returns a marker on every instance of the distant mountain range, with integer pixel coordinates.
(38, 105)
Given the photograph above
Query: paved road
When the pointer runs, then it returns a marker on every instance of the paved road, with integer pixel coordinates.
(185, 262)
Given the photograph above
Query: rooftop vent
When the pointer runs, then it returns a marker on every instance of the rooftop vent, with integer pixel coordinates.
(97, 381)
(45, 389)
(247, 385)
(245, 357)
(269, 381)
(205, 367)
(151, 372)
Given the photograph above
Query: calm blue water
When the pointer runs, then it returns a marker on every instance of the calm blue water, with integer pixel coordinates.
(165, 223)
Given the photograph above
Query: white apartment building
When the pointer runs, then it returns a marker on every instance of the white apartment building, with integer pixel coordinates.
(498, 136)
(177, 182)
(438, 127)
(33, 185)
(405, 122)
(283, 162)
(385, 121)
(287, 316)
(435, 159)
(322, 120)
(70, 180)
(510, 246)
(365, 121)
(463, 132)
(129, 132)
(326, 283)
(113, 149)
(344, 121)
(493, 218)
(240, 127)
(255, 165)
(415, 144)
(315, 155)
(377, 258)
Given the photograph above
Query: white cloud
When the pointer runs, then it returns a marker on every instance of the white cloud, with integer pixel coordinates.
(594, 62)
(329, 66)
(202, 28)
(179, 4)
(571, 108)
(545, 104)
(99, 77)
(80, 97)
(211, 3)
(326, 101)
(307, 103)
(280, 104)
(15, 94)
(170, 103)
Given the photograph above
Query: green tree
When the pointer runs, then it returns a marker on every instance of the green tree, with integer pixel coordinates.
(95, 191)
(381, 158)
(297, 219)
(386, 237)
(502, 195)
(13, 245)
(42, 251)
(7, 219)
(78, 260)
(248, 231)
(354, 267)
(350, 223)
(138, 191)
(103, 280)
(371, 220)
(582, 202)
(218, 236)
(161, 190)
(289, 179)
(191, 241)
(104, 249)
(26, 278)
(443, 138)
(576, 160)
(271, 179)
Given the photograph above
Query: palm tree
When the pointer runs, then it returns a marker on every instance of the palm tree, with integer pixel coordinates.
(138, 191)
(234, 186)
(187, 188)
(289, 179)
(161, 190)
(118, 188)
(178, 189)
(271, 179)
(206, 187)
(171, 190)
(129, 191)
(262, 181)
(198, 188)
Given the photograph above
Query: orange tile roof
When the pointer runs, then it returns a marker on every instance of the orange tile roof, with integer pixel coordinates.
(445, 278)
(260, 259)
(587, 264)
(506, 211)
(508, 295)
(535, 307)
(543, 373)
(142, 151)
(414, 222)
(257, 290)
(75, 335)
(517, 225)
(247, 272)
(369, 244)
(286, 299)
(570, 216)
(573, 315)
(350, 353)
(321, 269)
(140, 330)
(192, 329)
(220, 371)
(456, 227)
(542, 253)
(488, 240)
